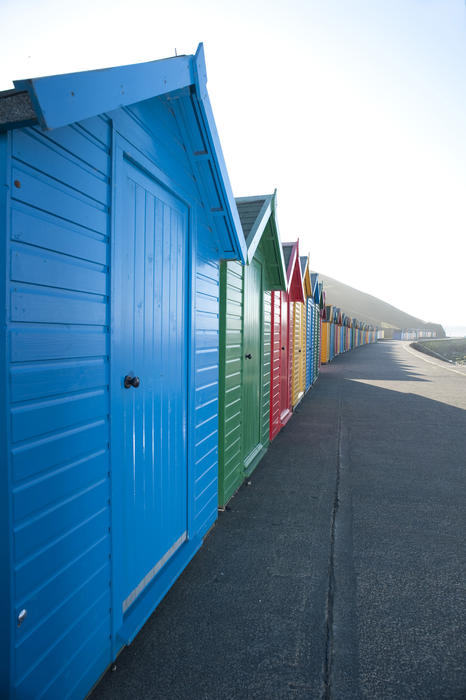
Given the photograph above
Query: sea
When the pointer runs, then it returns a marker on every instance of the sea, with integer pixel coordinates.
(455, 331)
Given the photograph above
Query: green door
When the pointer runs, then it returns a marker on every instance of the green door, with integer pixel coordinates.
(252, 361)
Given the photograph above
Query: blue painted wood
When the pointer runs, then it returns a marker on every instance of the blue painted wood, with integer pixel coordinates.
(318, 341)
(309, 334)
(57, 208)
(50, 233)
(41, 154)
(41, 306)
(313, 343)
(317, 332)
(89, 622)
(59, 484)
(46, 342)
(58, 356)
(33, 458)
(53, 270)
(64, 99)
(38, 574)
(30, 381)
(51, 196)
(50, 416)
(97, 127)
(149, 339)
(78, 140)
(6, 525)
(37, 531)
(173, 170)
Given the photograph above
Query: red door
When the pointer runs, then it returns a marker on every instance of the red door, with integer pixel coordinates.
(280, 398)
(284, 357)
(275, 352)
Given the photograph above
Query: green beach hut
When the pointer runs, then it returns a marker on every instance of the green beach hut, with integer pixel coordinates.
(244, 360)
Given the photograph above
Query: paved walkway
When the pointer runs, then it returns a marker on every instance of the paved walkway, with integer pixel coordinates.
(339, 572)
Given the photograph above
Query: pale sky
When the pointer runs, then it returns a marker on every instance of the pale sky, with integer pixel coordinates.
(355, 110)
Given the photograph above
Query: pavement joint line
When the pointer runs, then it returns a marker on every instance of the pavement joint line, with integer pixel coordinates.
(436, 364)
(327, 694)
(345, 676)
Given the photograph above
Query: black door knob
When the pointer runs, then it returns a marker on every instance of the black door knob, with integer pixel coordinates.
(248, 356)
(283, 347)
(131, 381)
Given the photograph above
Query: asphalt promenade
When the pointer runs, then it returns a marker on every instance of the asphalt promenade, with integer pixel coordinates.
(339, 571)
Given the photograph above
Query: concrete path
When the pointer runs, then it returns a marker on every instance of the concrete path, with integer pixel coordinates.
(339, 572)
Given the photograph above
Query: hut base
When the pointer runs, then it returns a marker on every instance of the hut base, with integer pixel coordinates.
(254, 458)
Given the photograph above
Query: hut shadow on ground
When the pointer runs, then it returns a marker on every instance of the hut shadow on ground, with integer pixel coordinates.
(247, 618)
(386, 365)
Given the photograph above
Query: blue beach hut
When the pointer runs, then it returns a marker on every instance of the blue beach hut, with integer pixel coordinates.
(315, 338)
(308, 316)
(115, 211)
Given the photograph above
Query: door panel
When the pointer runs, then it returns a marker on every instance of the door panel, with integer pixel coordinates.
(275, 379)
(302, 368)
(149, 341)
(295, 311)
(284, 359)
(252, 360)
(309, 331)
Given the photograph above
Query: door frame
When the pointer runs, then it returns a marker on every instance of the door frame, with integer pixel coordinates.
(297, 390)
(275, 364)
(286, 366)
(122, 150)
(258, 448)
(310, 334)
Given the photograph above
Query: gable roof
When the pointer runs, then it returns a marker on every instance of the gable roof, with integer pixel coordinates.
(249, 209)
(293, 271)
(303, 263)
(258, 219)
(315, 287)
(306, 277)
(58, 100)
(287, 251)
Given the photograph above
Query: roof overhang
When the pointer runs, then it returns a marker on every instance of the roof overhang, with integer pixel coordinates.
(64, 99)
(267, 216)
(306, 277)
(321, 295)
(315, 287)
(293, 273)
(60, 100)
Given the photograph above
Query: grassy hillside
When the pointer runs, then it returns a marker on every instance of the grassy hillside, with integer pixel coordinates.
(371, 309)
(452, 349)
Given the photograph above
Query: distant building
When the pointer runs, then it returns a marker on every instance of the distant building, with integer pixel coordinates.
(413, 334)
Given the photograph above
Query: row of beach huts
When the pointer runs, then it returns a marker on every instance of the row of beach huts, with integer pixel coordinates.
(156, 336)
(275, 332)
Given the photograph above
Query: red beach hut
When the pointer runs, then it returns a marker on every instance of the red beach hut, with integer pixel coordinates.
(281, 339)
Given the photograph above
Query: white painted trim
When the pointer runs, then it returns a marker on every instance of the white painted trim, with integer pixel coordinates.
(155, 569)
(438, 364)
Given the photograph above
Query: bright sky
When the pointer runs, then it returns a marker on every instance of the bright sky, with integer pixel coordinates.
(354, 110)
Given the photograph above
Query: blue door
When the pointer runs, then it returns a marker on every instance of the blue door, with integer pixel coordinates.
(149, 377)
(309, 330)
